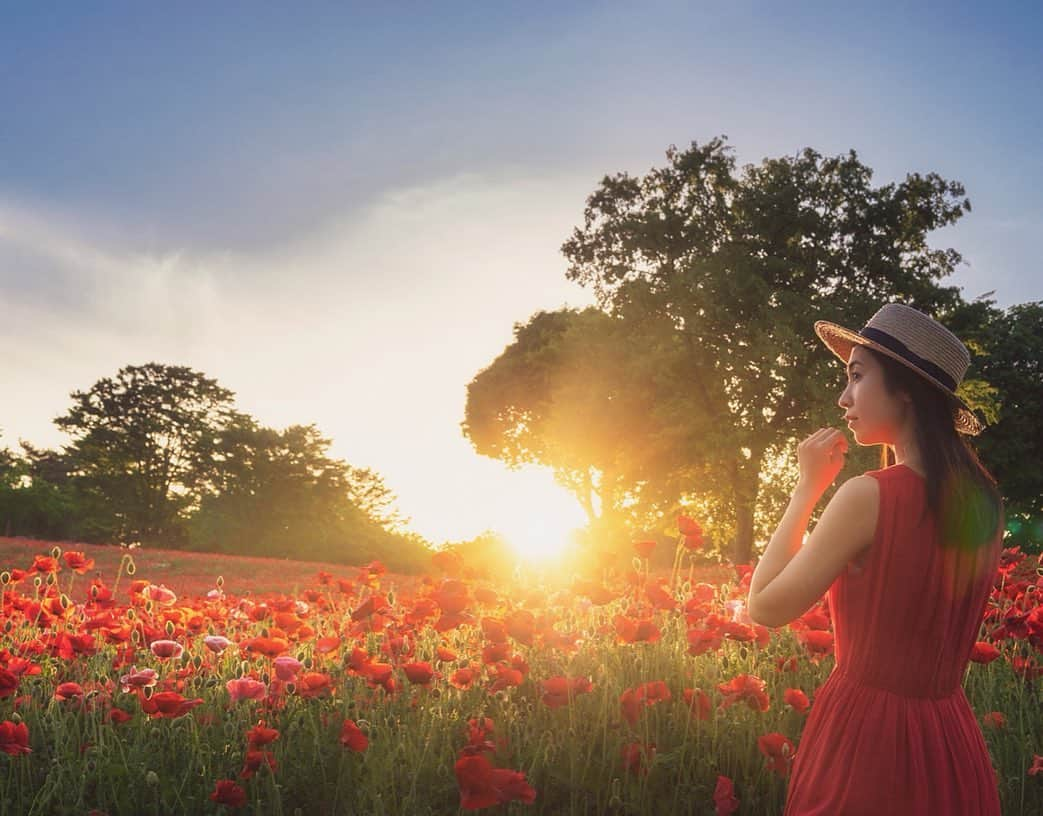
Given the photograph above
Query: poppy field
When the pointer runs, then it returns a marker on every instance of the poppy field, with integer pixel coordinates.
(355, 690)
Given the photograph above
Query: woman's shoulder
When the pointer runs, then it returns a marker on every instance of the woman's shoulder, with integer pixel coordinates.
(894, 472)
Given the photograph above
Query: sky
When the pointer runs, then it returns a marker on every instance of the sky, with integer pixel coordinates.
(340, 211)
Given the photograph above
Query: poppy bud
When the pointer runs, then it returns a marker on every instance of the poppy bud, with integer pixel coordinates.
(5, 577)
(170, 628)
(52, 578)
(65, 602)
(147, 691)
(37, 582)
(220, 581)
(130, 614)
(131, 569)
(56, 552)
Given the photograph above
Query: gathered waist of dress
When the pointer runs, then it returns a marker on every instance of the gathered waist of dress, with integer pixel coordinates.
(845, 676)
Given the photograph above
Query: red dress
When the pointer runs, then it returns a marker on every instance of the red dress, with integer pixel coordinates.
(890, 730)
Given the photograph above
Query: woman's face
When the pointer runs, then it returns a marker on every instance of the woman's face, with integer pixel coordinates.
(874, 416)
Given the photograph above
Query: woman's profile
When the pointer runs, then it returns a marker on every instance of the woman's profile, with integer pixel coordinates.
(908, 554)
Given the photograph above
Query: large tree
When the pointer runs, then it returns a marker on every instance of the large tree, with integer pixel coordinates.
(1008, 346)
(143, 443)
(728, 270)
(576, 392)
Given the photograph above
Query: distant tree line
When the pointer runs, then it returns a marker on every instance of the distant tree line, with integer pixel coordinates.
(159, 455)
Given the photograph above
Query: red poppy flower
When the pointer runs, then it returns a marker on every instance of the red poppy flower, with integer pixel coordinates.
(351, 736)
(559, 691)
(505, 677)
(701, 641)
(494, 630)
(44, 563)
(325, 645)
(779, 752)
(688, 527)
(8, 683)
(226, 792)
(631, 630)
(254, 761)
(14, 738)
(445, 655)
(374, 604)
(246, 688)
(630, 706)
(645, 548)
(68, 691)
(260, 735)
(495, 652)
(984, 652)
(267, 646)
(166, 649)
(797, 699)
(819, 644)
(77, 561)
(380, 674)
(462, 678)
(420, 674)
(745, 688)
(314, 684)
(660, 596)
(521, 624)
(482, 785)
(724, 797)
(168, 704)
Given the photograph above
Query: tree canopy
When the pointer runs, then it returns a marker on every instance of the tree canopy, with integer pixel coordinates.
(709, 280)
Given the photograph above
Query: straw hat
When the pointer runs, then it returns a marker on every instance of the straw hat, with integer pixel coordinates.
(918, 342)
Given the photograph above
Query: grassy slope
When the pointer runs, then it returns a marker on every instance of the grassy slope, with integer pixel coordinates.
(187, 573)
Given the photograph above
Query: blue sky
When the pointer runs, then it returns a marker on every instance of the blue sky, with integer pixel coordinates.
(340, 210)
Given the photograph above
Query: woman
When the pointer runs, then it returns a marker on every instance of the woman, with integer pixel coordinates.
(908, 554)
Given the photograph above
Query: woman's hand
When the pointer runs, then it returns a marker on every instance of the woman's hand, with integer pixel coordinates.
(821, 457)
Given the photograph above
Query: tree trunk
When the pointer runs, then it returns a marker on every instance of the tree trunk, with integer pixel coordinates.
(746, 485)
(742, 550)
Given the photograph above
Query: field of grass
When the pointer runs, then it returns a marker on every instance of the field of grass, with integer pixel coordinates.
(299, 688)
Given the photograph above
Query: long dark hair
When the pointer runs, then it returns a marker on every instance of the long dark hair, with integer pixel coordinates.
(962, 495)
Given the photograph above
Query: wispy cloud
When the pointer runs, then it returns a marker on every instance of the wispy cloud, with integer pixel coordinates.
(370, 327)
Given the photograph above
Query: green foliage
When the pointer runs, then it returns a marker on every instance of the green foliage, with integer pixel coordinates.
(703, 372)
(143, 443)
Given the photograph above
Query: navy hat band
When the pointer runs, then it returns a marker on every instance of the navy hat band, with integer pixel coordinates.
(903, 351)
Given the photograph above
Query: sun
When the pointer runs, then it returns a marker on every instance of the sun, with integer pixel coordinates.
(546, 517)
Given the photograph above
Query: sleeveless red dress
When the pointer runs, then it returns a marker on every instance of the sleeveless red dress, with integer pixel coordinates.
(890, 730)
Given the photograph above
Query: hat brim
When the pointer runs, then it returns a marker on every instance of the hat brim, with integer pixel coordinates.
(840, 341)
